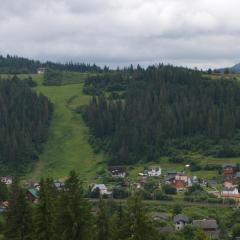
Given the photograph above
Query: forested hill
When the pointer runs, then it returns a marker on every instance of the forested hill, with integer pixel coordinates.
(160, 110)
(24, 121)
(15, 65)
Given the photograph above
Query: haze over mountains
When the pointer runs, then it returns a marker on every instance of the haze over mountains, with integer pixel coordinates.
(234, 69)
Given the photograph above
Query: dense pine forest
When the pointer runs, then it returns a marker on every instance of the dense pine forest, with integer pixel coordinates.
(142, 114)
(15, 65)
(24, 121)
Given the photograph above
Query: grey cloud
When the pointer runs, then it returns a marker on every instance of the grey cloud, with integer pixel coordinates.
(185, 32)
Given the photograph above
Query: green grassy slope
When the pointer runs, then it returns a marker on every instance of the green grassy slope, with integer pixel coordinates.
(67, 147)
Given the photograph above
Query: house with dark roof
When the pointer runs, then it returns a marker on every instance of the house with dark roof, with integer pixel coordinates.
(117, 171)
(180, 221)
(229, 172)
(209, 226)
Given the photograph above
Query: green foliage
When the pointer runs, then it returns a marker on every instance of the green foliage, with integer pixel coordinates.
(44, 219)
(168, 189)
(73, 212)
(164, 108)
(138, 226)
(103, 223)
(236, 231)
(18, 219)
(177, 209)
(16, 65)
(4, 193)
(24, 122)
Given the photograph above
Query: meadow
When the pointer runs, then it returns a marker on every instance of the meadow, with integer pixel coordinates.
(67, 147)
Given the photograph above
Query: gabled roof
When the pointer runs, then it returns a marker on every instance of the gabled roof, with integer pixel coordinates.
(180, 218)
(33, 191)
(153, 168)
(233, 165)
(229, 189)
(206, 224)
(100, 186)
(117, 169)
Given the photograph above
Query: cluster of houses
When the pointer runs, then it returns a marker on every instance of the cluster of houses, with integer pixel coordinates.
(231, 179)
(178, 180)
(209, 226)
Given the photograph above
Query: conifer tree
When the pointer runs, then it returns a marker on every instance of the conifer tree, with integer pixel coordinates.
(138, 226)
(74, 220)
(45, 211)
(18, 220)
(103, 222)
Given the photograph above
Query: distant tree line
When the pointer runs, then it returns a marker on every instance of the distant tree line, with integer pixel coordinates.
(16, 65)
(24, 122)
(162, 107)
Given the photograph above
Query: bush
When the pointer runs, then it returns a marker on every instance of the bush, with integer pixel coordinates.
(120, 192)
(168, 189)
(159, 195)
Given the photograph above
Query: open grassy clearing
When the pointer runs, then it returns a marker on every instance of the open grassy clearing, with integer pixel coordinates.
(67, 147)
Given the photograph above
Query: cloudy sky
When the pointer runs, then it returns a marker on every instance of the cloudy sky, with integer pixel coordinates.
(191, 33)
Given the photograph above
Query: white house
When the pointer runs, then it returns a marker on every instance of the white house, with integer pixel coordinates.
(8, 180)
(41, 70)
(180, 221)
(154, 171)
(102, 188)
(229, 191)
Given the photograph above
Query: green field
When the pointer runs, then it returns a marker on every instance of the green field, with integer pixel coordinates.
(67, 147)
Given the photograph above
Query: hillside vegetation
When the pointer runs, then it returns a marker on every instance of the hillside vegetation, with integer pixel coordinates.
(165, 110)
(67, 147)
(24, 123)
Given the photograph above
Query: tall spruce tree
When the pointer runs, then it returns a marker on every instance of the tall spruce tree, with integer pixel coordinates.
(45, 211)
(138, 226)
(74, 220)
(103, 222)
(18, 220)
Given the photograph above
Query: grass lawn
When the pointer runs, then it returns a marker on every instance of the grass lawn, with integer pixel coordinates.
(67, 147)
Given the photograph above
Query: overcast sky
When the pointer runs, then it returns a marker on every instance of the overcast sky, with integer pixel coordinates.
(202, 33)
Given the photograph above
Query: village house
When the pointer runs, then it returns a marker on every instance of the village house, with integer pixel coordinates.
(8, 180)
(41, 70)
(229, 191)
(180, 221)
(3, 206)
(141, 182)
(154, 171)
(192, 181)
(177, 180)
(102, 189)
(181, 177)
(32, 195)
(170, 177)
(209, 226)
(229, 172)
(117, 171)
(58, 184)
